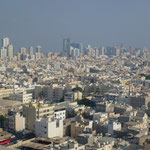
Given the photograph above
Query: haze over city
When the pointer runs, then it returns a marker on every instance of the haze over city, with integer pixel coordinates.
(99, 22)
(74, 75)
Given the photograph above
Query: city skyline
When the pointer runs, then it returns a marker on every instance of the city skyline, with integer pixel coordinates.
(35, 47)
(99, 23)
(74, 75)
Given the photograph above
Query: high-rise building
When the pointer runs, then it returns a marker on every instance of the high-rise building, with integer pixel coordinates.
(81, 48)
(38, 53)
(5, 42)
(23, 53)
(31, 51)
(78, 46)
(18, 56)
(111, 51)
(3, 52)
(38, 49)
(96, 52)
(66, 46)
(103, 51)
(10, 51)
(37, 56)
(118, 52)
(75, 52)
(23, 50)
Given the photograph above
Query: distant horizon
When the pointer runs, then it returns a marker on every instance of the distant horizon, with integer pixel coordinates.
(97, 23)
(98, 46)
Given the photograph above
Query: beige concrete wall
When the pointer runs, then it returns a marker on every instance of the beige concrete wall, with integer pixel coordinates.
(20, 122)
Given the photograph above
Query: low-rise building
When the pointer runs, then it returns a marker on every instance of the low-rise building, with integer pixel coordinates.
(112, 126)
(49, 128)
(33, 112)
(14, 122)
(72, 96)
(104, 107)
(23, 97)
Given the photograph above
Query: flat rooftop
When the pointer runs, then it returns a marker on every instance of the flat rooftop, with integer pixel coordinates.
(5, 148)
(32, 144)
(9, 103)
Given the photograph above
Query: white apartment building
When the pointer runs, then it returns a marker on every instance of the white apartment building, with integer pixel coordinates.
(5, 92)
(113, 126)
(60, 114)
(33, 112)
(10, 51)
(49, 128)
(22, 97)
(3, 52)
(5, 41)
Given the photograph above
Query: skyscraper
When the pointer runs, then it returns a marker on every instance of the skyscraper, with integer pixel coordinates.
(38, 53)
(66, 47)
(23, 53)
(23, 50)
(10, 51)
(3, 52)
(81, 48)
(118, 52)
(96, 52)
(31, 51)
(102, 51)
(5, 42)
(38, 49)
(78, 46)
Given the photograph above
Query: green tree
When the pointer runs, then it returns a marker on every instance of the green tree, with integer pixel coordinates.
(71, 114)
(147, 77)
(86, 102)
(77, 89)
(87, 116)
(2, 119)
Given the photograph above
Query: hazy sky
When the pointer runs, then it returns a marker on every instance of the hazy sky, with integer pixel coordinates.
(95, 22)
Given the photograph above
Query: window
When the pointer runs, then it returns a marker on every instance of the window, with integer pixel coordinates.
(57, 124)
